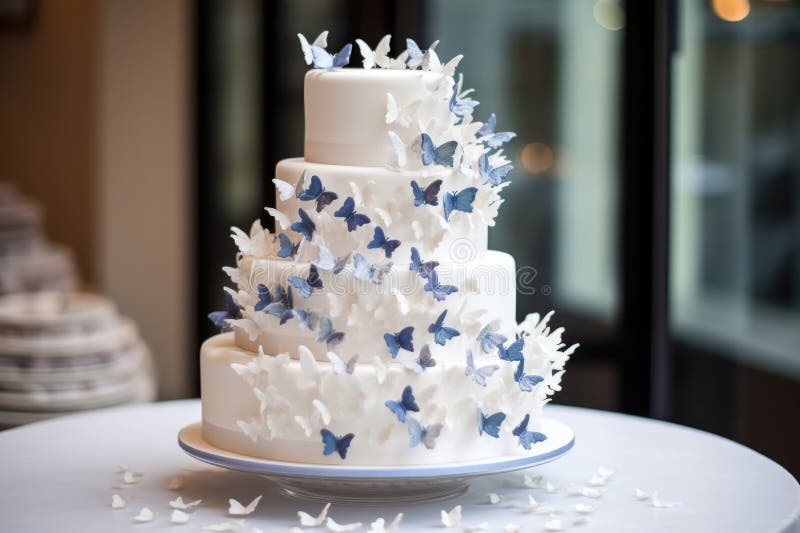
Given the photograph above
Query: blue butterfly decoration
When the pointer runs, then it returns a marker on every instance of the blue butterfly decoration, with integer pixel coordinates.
(513, 352)
(461, 106)
(423, 362)
(415, 54)
(427, 196)
(379, 240)
(231, 311)
(348, 213)
(307, 318)
(422, 435)
(488, 136)
(264, 297)
(526, 438)
(402, 339)
(439, 291)
(317, 192)
(423, 268)
(490, 340)
(288, 248)
(479, 375)
(334, 444)
(490, 424)
(305, 225)
(282, 305)
(526, 381)
(407, 403)
(323, 59)
(327, 334)
(494, 176)
(329, 262)
(459, 201)
(442, 333)
(305, 286)
(365, 271)
(438, 155)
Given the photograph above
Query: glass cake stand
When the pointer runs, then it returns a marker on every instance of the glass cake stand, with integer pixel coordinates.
(377, 484)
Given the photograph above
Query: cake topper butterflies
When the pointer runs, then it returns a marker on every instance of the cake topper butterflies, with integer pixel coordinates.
(415, 55)
(403, 339)
(437, 155)
(493, 176)
(379, 240)
(327, 334)
(365, 271)
(282, 305)
(490, 340)
(490, 424)
(264, 297)
(339, 366)
(232, 311)
(407, 403)
(423, 362)
(305, 286)
(422, 268)
(526, 381)
(400, 149)
(380, 56)
(442, 333)
(317, 192)
(461, 106)
(288, 248)
(488, 136)
(322, 59)
(438, 290)
(432, 63)
(459, 201)
(305, 226)
(425, 435)
(526, 438)
(478, 375)
(329, 262)
(334, 444)
(513, 352)
(348, 213)
(307, 318)
(427, 196)
(401, 115)
(321, 41)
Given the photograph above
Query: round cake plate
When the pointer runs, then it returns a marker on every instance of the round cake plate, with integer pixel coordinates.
(378, 484)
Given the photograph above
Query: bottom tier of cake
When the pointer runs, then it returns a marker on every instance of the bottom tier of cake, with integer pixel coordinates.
(278, 408)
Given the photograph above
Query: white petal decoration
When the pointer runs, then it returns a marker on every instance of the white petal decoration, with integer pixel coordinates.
(584, 509)
(494, 498)
(451, 518)
(580, 520)
(118, 502)
(656, 501)
(512, 528)
(179, 504)
(379, 525)
(474, 527)
(605, 472)
(531, 506)
(550, 488)
(306, 520)
(179, 517)
(226, 526)
(641, 495)
(129, 477)
(331, 524)
(324, 412)
(175, 483)
(554, 525)
(144, 515)
(534, 482)
(588, 492)
(237, 509)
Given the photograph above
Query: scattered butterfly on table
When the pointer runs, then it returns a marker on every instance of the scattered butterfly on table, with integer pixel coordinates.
(478, 375)
(327, 334)
(427, 196)
(401, 115)
(400, 149)
(526, 438)
(437, 155)
(379, 56)
(334, 444)
(365, 271)
(325, 60)
(426, 435)
(407, 403)
(488, 136)
(442, 333)
(232, 311)
(379, 525)
(338, 364)
(305, 225)
(526, 381)
(348, 213)
(288, 248)
(401, 339)
(513, 352)
(461, 106)
(264, 297)
(306, 520)
(490, 340)
(493, 176)
(305, 286)
(422, 268)
(439, 291)
(237, 509)
(423, 362)
(490, 424)
(321, 41)
(307, 318)
(329, 262)
(415, 55)
(316, 192)
(282, 305)
(379, 240)
(452, 518)
(459, 201)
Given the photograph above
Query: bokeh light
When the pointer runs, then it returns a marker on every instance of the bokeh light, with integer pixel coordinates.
(731, 10)
(536, 157)
(609, 14)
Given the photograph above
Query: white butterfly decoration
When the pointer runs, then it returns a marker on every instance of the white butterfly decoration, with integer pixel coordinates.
(179, 517)
(253, 429)
(144, 515)
(433, 64)
(474, 527)
(308, 367)
(512, 528)
(304, 424)
(118, 502)
(339, 366)
(451, 518)
(129, 477)
(321, 41)
(332, 525)
(654, 499)
(237, 509)
(380, 369)
(175, 483)
(247, 325)
(227, 526)
(380, 56)
(587, 492)
(379, 525)
(306, 520)
(179, 504)
(280, 218)
(554, 525)
(404, 115)
(259, 243)
(530, 506)
(400, 149)
(324, 412)
(582, 508)
(494, 498)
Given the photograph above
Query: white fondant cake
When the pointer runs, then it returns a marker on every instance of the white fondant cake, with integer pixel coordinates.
(375, 327)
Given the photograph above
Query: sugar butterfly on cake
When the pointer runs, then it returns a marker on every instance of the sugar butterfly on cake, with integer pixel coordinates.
(375, 327)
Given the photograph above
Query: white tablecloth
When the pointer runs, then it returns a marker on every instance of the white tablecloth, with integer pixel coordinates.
(59, 476)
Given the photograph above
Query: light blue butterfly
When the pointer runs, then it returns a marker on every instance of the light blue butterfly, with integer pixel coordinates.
(427, 196)
(323, 59)
(379, 240)
(305, 286)
(442, 333)
(402, 339)
(329, 262)
(479, 375)
(264, 298)
(494, 176)
(461, 106)
(490, 424)
(489, 340)
(488, 136)
(415, 55)
(333, 444)
(439, 291)
(365, 271)
(513, 352)
(526, 438)
(282, 305)
(526, 381)
(459, 201)
(307, 318)
(438, 155)
(348, 213)
(327, 334)
(423, 268)
(305, 225)
(317, 192)
(288, 248)
(425, 435)
(423, 362)
(407, 403)
(220, 318)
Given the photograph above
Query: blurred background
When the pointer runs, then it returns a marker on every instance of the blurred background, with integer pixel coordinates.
(656, 198)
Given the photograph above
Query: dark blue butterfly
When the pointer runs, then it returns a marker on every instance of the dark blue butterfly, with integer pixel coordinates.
(317, 192)
(323, 59)
(442, 333)
(425, 435)
(379, 240)
(334, 444)
(327, 334)
(282, 305)
(288, 248)
(427, 196)
(264, 297)
(459, 201)
(490, 424)
(423, 268)
(232, 311)
(305, 286)
(479, 375)
(363, 270)
(490, 340)
(348, 213)
(461, 106)
(438, 155)
(305, 225)
(307, 318)
(488, 136)
(407, 403)
(526, 438)
(513, 352)
(526, 381)
(402, 339)
(494, 176)
(423, 362)
(439, 291)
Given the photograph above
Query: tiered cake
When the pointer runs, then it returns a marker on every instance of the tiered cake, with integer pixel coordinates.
(375, 327)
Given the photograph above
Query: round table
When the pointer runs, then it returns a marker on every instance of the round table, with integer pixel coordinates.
(60, 475)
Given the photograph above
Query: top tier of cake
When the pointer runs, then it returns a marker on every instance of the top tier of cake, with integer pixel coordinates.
(345, 112)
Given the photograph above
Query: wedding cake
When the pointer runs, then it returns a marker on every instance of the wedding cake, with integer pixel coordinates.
(374, 326)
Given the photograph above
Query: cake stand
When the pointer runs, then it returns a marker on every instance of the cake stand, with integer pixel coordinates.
(378, 484)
